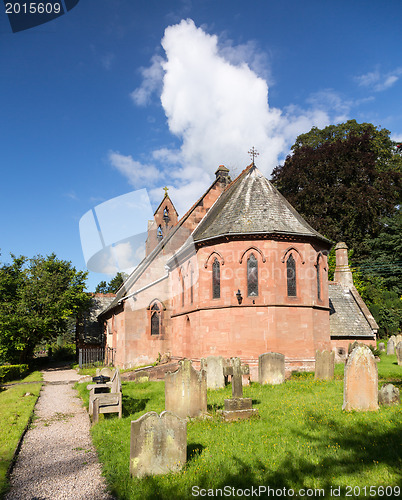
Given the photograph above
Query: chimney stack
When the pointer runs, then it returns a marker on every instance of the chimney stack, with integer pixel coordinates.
(343, 274)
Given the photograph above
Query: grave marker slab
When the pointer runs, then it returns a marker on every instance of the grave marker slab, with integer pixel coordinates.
(271, 368)
(186, 391)
(389, 395)
(324, 365)
(360, 381)
(213, 365)
(158, 444)
(381, 347)
(398, 351)
(390, 347)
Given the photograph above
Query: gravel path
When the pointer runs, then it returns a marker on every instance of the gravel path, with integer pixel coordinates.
(57, 459)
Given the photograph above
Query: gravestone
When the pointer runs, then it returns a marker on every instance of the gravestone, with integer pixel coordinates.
(398, 339)
(236, 371)
(213, 365)
(237, 408)
(390, 347)
(324, 365)
(158, 444)
(360, 386)
(186, 391)
(381, 347)
(271, 368)
(398, 351)
(106, 372)
(389, 395)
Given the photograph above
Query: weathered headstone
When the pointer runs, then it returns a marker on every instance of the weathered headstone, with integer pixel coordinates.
(213, 365)
(237, 408)
(381, 347)
(186, 391)
(389, 395)
(360, 386)
(398, 351)
(390, 347)
(158, 444)
(271, 368)
(236, 371)
(106, 372)
(398, 339)
(324, 365)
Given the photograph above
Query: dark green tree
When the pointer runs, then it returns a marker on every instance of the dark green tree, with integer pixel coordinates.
(37, 297)
(113, 285)
(344, 180)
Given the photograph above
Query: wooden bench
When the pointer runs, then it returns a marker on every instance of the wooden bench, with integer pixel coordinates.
(109, 402)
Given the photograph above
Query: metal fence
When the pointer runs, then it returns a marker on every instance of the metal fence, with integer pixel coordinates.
(96, 356)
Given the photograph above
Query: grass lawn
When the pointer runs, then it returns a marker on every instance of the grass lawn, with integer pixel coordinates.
(15, 412)
(302, 440)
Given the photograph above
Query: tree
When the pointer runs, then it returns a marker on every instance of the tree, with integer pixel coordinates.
(344, 180)
(37, 296)
(113, 285)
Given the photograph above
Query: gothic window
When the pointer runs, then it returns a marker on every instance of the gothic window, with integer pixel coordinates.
(191, 286)
(165, 212)
(318, 280)
(155, 320)
(216, 279)
(291, 276)
(182, 290)
(252, 276)
(159, 233)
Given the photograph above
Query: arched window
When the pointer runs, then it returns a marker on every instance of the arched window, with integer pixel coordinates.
(159, 233)
(318, 280)
(252, 276)
(191, 285)
(291, 276)
(155, 320)
(182, 290)
(216, 279)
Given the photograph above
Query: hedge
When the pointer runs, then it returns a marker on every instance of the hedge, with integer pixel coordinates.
(12, 372)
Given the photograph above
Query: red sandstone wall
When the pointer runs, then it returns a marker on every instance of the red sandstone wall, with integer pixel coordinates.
(272, 321)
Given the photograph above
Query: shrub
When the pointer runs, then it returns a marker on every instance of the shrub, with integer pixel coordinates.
(12, 372)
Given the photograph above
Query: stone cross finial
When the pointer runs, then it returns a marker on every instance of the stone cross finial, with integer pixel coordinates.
(253, 152)
(166, 189)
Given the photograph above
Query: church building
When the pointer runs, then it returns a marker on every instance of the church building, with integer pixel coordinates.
(240, 274)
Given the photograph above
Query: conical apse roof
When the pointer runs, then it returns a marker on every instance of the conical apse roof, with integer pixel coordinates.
(252, 205)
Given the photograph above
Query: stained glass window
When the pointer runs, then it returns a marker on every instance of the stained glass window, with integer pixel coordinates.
(291, 276)
(155, 320)
(318, 281)
(191, 286)
(252, 276)
(216, 279)
(159, 233)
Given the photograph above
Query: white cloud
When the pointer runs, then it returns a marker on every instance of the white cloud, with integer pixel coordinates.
(137, 173)
(152, 78)
(215, 98)
(377, 81)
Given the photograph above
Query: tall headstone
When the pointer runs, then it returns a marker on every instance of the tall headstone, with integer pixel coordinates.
(324, 365)
(390, 347)
(213, 365)
(158, 444)
(389, 395)
(381, 347)
(360, 385)
(398, 351)
(271, 368)
(186, 391)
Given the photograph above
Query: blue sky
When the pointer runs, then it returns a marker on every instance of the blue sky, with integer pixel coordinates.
(119, 96)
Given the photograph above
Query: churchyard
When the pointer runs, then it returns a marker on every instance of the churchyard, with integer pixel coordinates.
(300, 441)
(16, 407)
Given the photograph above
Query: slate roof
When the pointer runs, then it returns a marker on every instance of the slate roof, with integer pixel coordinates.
(252, 205)
(349, 317)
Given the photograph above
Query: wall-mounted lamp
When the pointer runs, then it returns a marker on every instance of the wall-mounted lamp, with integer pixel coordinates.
(239, 297)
